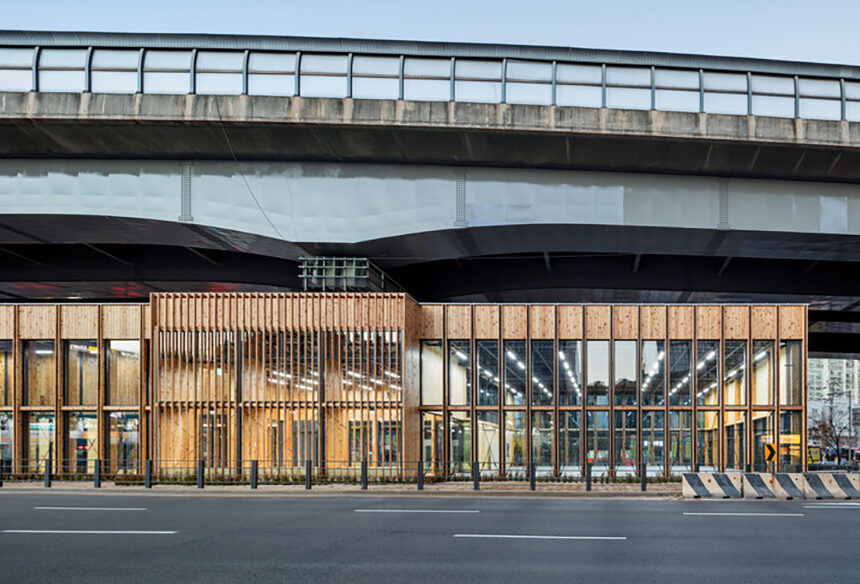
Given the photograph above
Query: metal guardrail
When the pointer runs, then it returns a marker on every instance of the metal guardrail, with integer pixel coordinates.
(335, 68)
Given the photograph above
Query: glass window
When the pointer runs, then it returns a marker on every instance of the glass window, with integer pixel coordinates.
(461, 442)
(735, 440)
(432, 371)
(708, 441)
(488, 372)
(625, 373)
(488, 441)
(680, 373)
(734, 385)
(40, 373)
(680, 441)
(790, 434)
(543, 366)
(515, 373)
(597, 440)
(791, 373)
(626, 445)
(81, 372)
(515, 442)
(459, 373)
(597, 373)
(433, 442)
(653, 442)
(123, 440)
(7, 442)
(761, 380)
(762, 424)
(542, 441)
(123, 372)
(569, 442)
(40, 439)
(569, 374)
(653, 376)
(81, 442)
(387, 441)
(706, 373)
(6, 373)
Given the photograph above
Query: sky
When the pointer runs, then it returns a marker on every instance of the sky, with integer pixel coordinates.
(817, 31)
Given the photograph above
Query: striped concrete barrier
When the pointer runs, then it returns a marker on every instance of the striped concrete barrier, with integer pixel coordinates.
(846, 486)
(712, 485)
(758, 486)
(829, 485)
(788, 485)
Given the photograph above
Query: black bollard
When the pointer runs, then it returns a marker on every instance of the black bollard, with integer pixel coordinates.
(48, 464)
(308, 479)
(147, 481)
(420, 475)
(588, 476)
(363, 475)
(476, 476)
(533, 476)
(201, 469)
(254, 471)
(97, 474)
(643, 476)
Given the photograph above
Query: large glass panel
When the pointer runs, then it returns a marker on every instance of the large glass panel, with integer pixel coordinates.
(734, 386)
(433, 442)
(708, 440)
(791, 373)
(387, 441)
(81, 372)
(706, 373)
(597, 373)
(123, 439)
(653, 452)
(790, 434)
(81, 442)
(40, 439)
(762, 424)
(123, 372)
(40, 373)
(432, 370)
(569, 374)
(735, 432)
(680, 373)
(569, 442)
(515, 373)
(680, 441)
(488, 372)
(653, 376)
(762, 373)
(461, 442)
(626, 445)
(625, 373)
(6, 371)
(488, 441)
(459, 373)
(542, 441)
(543, 366)
(7, 442)
(597, 440)
(515, 442)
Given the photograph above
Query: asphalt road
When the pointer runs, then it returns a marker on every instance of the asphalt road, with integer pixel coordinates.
(311, 538)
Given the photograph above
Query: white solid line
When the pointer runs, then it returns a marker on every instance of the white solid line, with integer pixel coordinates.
(833, 506)
(90, 508)
(416, 511)
(751, 514)
(495, 536)
(88, 532)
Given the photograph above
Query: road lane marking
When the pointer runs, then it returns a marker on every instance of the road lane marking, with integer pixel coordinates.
(499, 536)
(88, 532)
(416, 511)
(90, 508)
(832, 506)
(751, 514)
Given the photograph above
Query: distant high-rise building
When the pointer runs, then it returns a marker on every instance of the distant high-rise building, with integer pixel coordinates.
(838, 376)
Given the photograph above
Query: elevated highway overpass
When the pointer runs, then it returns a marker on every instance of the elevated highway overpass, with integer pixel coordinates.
(133, 163)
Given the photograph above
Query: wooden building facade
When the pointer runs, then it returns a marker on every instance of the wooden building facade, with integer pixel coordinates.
(341, 379)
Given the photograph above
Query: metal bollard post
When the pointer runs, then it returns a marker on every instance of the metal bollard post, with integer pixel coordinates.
(588, 476)
(201, 468)
(420, 475)
(363, 475)
(254, 470)
(308, 470)
(97, 474)
(147, 481)
(48, 464)
(476, 476)
(695, 467)
(643, 476)
(532, 476)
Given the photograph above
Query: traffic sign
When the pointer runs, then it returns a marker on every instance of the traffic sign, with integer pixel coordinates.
(769, 452)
